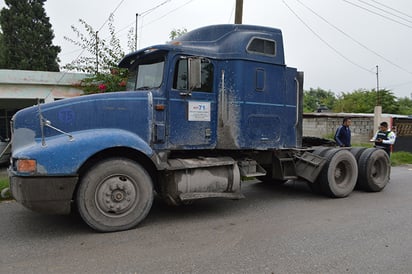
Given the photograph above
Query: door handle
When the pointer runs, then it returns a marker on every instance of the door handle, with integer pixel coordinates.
(185, 94)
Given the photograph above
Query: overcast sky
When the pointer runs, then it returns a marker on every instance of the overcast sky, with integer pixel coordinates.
(337, 43)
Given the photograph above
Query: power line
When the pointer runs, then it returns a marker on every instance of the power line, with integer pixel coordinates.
(108, 18)
(353, 39)
(142, 14)
(385, 11)
(146, 12)
(398, 84)
(164, 15)
(154, 8)
(81, 53)
(388, 7)
(324, 41)
(104, 23)
(232, 12)
(376, 13)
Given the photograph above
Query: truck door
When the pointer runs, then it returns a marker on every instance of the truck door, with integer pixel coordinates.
(192, 110)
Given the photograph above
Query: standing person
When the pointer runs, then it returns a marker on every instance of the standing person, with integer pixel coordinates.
(384, 138)
(342, 135)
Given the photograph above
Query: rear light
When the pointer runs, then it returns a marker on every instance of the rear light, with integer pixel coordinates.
(26, 165)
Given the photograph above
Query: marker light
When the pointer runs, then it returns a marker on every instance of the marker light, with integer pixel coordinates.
(26, 165)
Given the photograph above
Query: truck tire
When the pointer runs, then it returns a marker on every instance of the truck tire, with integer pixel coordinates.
(374, 170)
(357, 152)
(315, 186)
(114, 195)
(338, 176)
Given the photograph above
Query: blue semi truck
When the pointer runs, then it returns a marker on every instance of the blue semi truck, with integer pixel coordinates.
(201, 114)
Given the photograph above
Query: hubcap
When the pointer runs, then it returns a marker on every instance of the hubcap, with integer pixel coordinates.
(116, 195)
(340, 173)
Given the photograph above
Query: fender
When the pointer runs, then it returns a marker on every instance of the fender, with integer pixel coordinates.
(62, 156)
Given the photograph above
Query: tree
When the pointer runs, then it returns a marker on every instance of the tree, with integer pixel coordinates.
(101, 59)
(2, 55)
(175, 33)
(314, 98)
(364, 101)
(27, 37)
(405, 106)
(102, 55)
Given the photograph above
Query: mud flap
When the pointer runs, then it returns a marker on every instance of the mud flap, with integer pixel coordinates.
(309, 166)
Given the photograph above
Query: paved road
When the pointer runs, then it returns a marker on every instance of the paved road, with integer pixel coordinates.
(283, 229)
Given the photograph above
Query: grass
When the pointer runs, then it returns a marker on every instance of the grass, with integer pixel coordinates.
(368, 145)
(397, 159)
(401, 158)
(4, 183)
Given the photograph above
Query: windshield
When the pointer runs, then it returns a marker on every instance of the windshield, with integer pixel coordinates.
(146, 73)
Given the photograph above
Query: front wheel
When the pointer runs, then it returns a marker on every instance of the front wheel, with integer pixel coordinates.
(114, 195)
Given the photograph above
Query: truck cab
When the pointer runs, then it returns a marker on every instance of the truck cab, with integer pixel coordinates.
(220, 87)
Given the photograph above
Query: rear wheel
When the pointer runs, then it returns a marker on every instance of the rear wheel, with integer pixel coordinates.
(357, 151)
(374, 170)
(115, 194)
(338, 176)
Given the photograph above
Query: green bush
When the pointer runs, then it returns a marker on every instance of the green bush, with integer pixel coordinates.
(116, 80)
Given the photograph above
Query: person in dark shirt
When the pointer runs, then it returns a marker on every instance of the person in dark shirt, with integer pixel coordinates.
(384, 138)
(342, 135)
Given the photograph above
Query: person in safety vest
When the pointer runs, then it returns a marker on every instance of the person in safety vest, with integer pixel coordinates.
(384, 138)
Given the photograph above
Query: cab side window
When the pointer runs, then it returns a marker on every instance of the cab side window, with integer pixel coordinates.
(180, 76)
(262, 46)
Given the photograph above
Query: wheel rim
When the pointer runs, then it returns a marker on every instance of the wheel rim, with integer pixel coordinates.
(341, 174)
(116, 195)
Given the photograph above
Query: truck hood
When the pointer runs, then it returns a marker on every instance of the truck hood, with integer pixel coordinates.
(129, 111)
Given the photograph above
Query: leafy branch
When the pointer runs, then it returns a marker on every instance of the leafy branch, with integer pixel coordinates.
(101, 59)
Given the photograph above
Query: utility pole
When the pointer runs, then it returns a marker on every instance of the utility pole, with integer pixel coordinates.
(135, 33)
(378, 99)
(97, 52)
(377, 117)
(239, 12)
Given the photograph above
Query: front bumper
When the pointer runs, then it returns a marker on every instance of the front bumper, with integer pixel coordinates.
(52, 195)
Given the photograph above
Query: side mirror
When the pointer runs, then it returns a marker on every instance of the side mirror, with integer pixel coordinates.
(194, 73)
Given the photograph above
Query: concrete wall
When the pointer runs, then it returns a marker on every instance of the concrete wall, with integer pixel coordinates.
(324, 125)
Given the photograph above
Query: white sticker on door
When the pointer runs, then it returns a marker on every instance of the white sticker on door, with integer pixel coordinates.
(199, 111)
